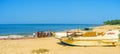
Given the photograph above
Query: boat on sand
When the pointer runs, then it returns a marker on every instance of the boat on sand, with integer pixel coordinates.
(109, 38)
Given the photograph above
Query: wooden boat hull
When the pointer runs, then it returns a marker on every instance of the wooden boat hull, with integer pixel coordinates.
(99, 42)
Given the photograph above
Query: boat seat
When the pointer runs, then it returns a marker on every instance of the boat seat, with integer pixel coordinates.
(89, 34)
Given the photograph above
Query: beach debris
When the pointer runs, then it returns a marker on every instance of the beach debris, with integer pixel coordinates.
(39, 51)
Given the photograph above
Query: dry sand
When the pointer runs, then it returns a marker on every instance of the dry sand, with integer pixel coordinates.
(106, 28)
(26, 46)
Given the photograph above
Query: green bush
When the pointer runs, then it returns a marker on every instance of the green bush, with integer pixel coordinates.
(112, 22)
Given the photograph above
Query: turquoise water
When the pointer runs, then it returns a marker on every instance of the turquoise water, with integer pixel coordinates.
(20, 29)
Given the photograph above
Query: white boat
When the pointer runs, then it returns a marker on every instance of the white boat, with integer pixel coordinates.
(109, 38)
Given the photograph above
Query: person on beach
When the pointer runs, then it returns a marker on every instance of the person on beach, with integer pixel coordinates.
(49, 33)
(37, 34)
(46, 33)
(42, 34)
(34, 34)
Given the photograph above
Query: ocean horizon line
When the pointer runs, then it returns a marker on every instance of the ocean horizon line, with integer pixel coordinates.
(54, 23)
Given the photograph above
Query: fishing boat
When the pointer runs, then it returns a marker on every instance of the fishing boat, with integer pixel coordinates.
(109, 38)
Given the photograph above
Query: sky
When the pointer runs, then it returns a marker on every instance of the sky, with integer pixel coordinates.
(58, 11)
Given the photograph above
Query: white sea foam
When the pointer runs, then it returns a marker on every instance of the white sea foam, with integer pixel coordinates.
(3, 36)
(16, 36)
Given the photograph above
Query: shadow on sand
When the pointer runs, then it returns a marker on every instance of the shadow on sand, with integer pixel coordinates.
(64, 44)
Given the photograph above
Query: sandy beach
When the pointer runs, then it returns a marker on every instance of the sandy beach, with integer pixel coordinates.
(106, 28)
(26, 46)
(52, 45)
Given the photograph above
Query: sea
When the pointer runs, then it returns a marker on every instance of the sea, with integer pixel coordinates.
(29, 29)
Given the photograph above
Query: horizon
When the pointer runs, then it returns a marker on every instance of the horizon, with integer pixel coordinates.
(58, 12)
(52, 23)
